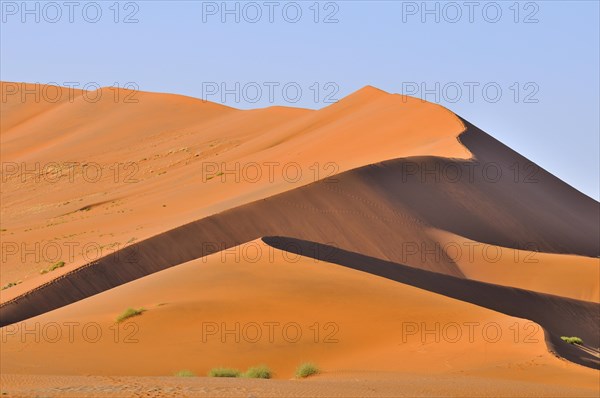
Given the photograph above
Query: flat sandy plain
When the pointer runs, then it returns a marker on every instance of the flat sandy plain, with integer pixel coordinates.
(395, 279)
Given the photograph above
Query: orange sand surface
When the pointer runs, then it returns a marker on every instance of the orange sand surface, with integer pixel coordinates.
(348, 322)
(165, 173)
(564, 275)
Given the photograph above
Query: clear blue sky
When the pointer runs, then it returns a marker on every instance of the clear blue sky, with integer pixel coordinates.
(550, 49)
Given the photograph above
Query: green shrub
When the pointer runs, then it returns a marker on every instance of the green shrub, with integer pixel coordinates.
(10, 284)
(259, 372)
(54, 266)
(572, 340)
(57, 265)
(224, 372)
(307, 369)
(130, 312)
(185, 373)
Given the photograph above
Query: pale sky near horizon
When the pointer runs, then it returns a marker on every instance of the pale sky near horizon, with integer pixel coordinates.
(527, 72)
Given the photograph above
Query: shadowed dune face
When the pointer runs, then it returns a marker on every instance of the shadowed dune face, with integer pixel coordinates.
(570, 220)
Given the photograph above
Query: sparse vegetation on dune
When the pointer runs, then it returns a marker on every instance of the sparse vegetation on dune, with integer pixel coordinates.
(259, 372)
(10, 284)
(54, 266)
(130, 312)
(185, 373)
(224, 372)
(572, 340)
(254, 372)
(307, 369)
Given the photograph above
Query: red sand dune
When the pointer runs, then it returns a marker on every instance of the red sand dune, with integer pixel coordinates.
(396, 203)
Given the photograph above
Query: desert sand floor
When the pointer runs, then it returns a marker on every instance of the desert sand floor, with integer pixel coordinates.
(342, 385)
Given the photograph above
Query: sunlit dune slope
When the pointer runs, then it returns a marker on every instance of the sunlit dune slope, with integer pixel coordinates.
(564, 275)
(342, 319)
(559, 316)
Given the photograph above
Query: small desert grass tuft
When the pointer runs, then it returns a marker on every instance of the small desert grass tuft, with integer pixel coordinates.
(54, 266)
(224, 372)
(130, 312)
(185, 373)
(307, 369)
(10, 284)
(572, 340)
(259, 372)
